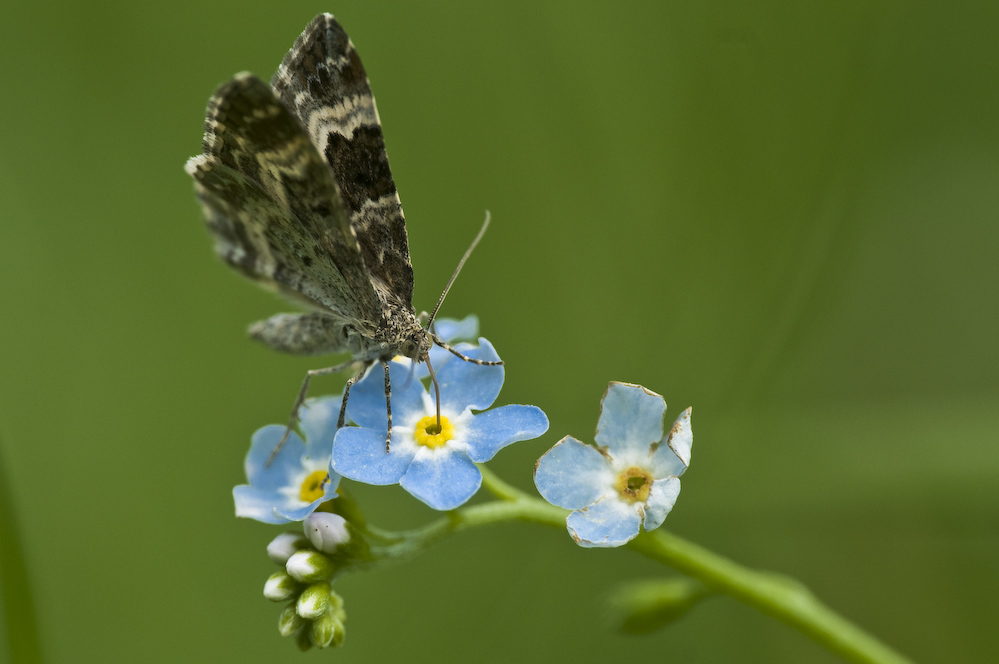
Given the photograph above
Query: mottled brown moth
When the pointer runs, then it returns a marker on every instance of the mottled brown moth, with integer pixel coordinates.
(297, 193)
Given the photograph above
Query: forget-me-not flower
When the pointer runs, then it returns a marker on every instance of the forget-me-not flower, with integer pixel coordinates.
(299, 479)
(631, 480)
(437, 467)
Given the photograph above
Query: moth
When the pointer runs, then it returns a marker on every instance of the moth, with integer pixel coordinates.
(297, 194)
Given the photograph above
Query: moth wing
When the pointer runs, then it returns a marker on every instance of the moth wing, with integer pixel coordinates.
(272, 205)
(324, 83)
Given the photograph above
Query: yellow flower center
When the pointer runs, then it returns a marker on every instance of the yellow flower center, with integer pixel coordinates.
(313, 486)
(634, 485)
(428, 435)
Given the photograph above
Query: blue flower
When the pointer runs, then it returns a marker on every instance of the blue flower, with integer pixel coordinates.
(630, 481)
(300, 477)
(435, 467)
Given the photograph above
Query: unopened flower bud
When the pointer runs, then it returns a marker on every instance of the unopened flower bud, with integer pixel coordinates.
(326, 531)
(284, 546)
(339, 633)
(336, 607)
(314, 601)
(323, 630)
(289, 621)
(304, 639)
(280, 586)
(308, 565)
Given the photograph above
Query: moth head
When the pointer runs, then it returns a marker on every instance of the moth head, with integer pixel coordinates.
(416, 344)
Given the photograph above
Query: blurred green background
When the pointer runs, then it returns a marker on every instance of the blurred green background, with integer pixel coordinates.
(784, 214)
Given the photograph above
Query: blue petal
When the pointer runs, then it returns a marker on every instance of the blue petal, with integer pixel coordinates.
(318, 424)
(359, 454)
(253, 503)
(611, 522)
(366, 402)
(572, 475)
(285, 465)
(680, 437)
(662, 497)
(442, 479)
(415, 371)
(489, 432)
(673, 454)
(438, 358)
(631, 418)
(451, 330)
(466, 384)
(664, 463)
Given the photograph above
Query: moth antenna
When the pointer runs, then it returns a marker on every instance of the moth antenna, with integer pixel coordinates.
(468, 252)
(437, 389)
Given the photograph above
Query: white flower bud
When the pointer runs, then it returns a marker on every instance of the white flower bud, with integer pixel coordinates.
(314, 601)
(280, 586)
(327, 630)
(289, 621)
(326, 531)
(284, 545)
(339, 633)
(307, 566)
(304, 639)
(323, 630)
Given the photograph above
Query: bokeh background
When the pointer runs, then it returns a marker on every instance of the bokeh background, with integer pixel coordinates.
(783, 214)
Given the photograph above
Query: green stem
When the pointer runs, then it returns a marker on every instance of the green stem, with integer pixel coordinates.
(777, 596)
(492, 483)
(411, 542)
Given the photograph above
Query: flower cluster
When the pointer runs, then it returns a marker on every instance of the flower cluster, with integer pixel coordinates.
(434, 460)
(627, 483)
(314, 614)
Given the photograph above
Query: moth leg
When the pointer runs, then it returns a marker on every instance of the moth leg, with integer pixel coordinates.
(388, 405)
(293, 420)
(346, 394)
(482, 363)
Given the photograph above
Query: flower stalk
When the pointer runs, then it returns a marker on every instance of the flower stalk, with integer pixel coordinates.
(777, 596)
